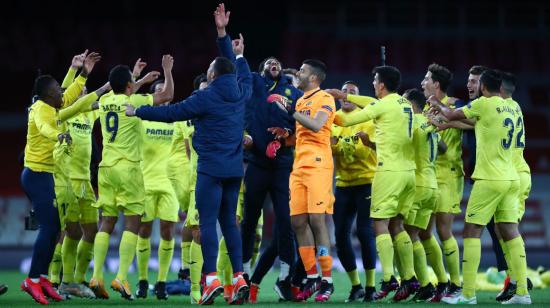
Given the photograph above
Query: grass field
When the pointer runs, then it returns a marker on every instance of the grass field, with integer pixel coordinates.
(16, 298)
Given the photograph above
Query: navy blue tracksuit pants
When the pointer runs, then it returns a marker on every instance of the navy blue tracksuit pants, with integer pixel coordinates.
(352, 202)
(258, 183)
(39, 187)
(216, 200)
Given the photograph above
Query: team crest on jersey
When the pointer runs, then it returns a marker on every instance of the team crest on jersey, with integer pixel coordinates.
(288, 92)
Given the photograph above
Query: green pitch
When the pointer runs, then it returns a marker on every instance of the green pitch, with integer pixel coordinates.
(267, 298)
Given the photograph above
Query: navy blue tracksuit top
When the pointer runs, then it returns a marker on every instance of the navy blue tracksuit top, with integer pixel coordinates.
(218, 113)
(261, 115)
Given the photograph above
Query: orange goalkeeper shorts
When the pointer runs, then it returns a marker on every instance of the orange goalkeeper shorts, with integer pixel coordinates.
(311, 191)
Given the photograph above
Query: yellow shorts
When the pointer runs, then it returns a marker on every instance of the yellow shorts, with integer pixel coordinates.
(493, 198)
(392, 193)
(311, 191)
(192, 219)
(524, 190)
(82, 210)
(162, 205)
(181, 187)
(450, 194)
(422, 208)
(121, 189)
(63, 198)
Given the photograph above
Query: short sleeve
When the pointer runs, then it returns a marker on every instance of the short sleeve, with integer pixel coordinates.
(326, 104)
(138, 100)
(473, 109)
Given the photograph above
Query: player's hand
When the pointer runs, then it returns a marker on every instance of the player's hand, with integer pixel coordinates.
(150, 77)
(138, 68)
(434, 103)
(167, 62)
(272, 148)
(279, 132)
(221, 17)
(364, 138)
(95, 105)
(247, 142)
(89, 62)
(78, 60)
(238, 45)
(281, 101)
(65, 137)
(337, 94)
(130, 110)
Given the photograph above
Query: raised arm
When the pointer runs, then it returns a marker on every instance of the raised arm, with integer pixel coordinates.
(73, 91)
(83, 104)
(167, 93)
(221, 19)
(188, 109)
(244, 76)
(76, 64)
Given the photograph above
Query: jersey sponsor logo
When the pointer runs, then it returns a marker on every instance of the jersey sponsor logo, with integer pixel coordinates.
(159, 132)
(81, 126)
(309, 103)
(305, 112)
(450, 253)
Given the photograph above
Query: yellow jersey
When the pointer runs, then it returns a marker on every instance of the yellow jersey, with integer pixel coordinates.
(495, 137)
(425, 141)
(42, 129)
(157, 140)
(355, 162)
(122, 135)
(393, 118)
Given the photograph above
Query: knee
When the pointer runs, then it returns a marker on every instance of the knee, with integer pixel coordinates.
(196, 235)
(108, 224)
(166, 230)
(298, 222)
(73, 230)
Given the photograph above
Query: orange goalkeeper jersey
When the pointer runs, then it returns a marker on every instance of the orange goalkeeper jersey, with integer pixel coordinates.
(313, 149)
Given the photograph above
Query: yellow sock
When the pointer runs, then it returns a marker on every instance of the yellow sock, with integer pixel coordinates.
(185, 254)
(370, 276)
(404, 248)
(101, 245)
(143, 254)
(420, 264)
(126, 252)
(470, 265)
(223, 264)
(55, 265)
(68, 252)
(452, 257)
(506, 252)
(518, 260)
(354, 278)
(165, 252)
(257, 243)
(384, 247)
(435, 258)
(397, 262)
(195, 266)
(84, 254)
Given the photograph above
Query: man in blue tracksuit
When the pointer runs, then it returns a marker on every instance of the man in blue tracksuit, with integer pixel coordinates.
(266, 174)
(218, 112)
